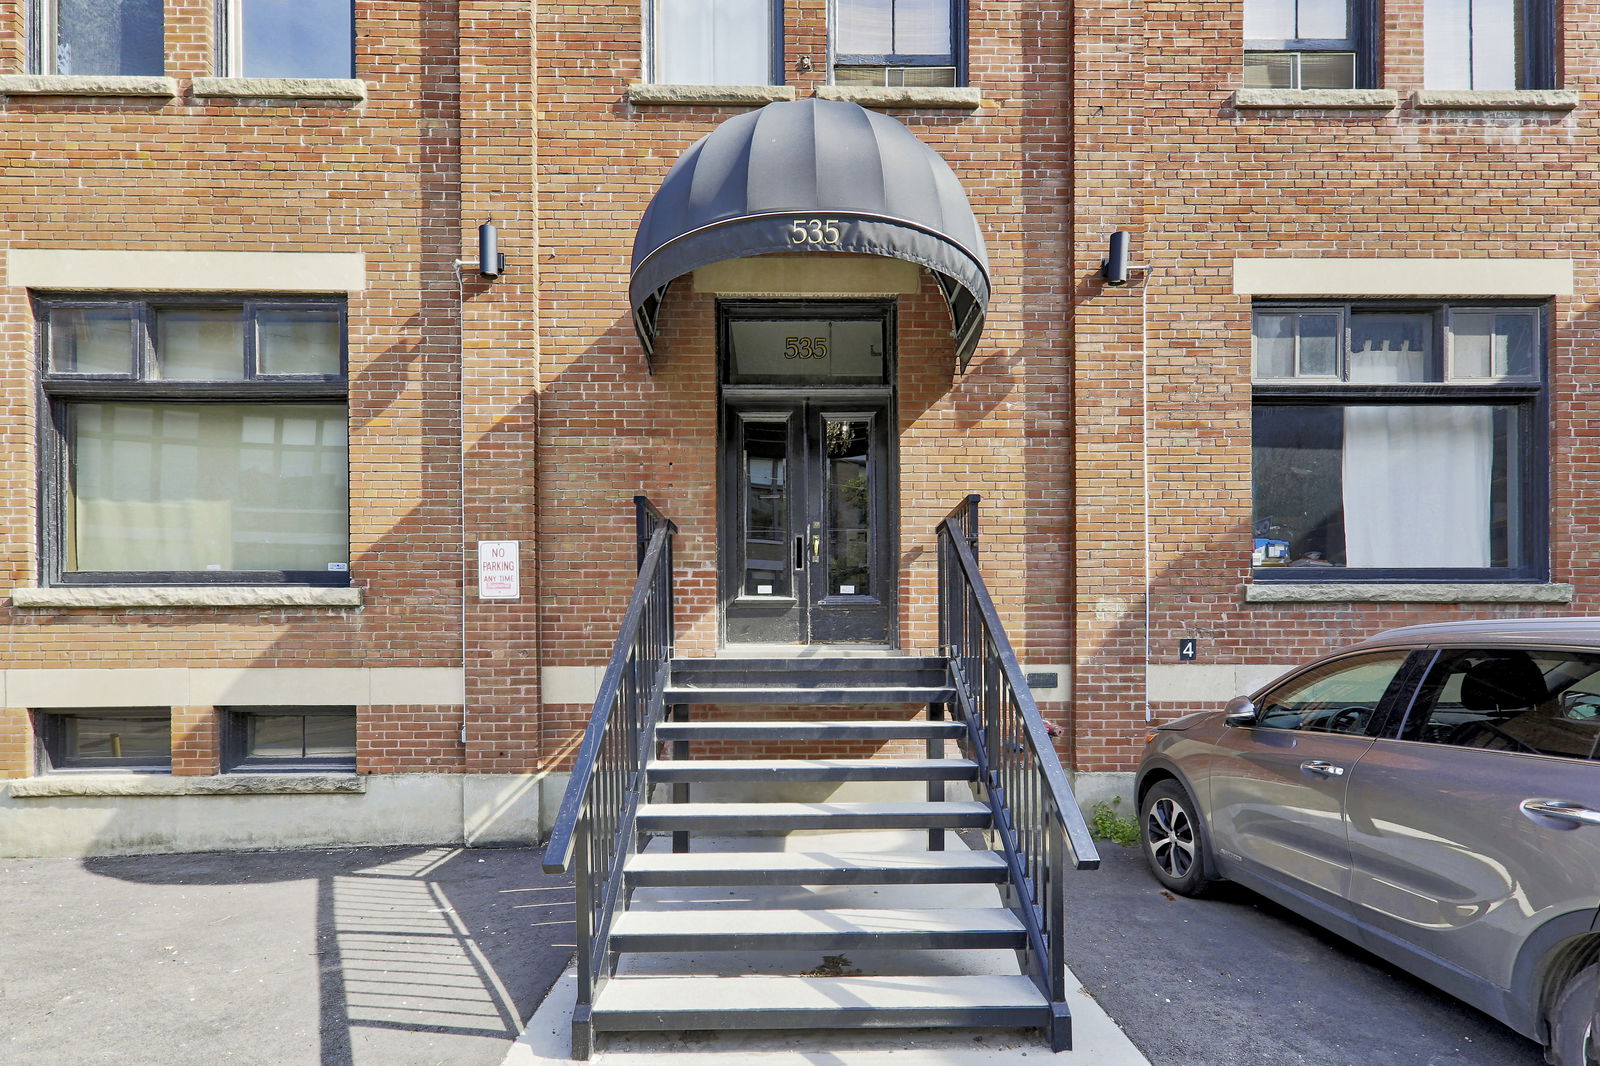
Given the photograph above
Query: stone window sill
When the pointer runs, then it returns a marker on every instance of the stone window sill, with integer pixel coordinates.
(1302, 99)
(184, 596)
(96, 785)
(964, 98)
(85, 85)
(282, 88)
(1492, 100)
(1422, 592)
(708, 95)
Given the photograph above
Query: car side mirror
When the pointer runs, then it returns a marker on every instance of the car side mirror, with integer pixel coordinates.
(1239, 711)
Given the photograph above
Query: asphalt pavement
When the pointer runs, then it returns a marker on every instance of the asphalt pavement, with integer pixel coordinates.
(424, 956)
(1237, 979)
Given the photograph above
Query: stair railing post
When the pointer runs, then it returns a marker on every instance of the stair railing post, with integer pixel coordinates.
(583, 918)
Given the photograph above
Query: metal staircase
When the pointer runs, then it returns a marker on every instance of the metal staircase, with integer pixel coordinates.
(809, 843)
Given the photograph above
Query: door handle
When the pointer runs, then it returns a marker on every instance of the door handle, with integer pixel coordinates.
(1571, 815)
(816, 542)
(1322, 769)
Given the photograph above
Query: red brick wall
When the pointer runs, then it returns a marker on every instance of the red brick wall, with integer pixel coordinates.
(1162, 151)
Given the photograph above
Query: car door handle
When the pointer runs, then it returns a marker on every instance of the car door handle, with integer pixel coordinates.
(1573, 814)
(1322, 769)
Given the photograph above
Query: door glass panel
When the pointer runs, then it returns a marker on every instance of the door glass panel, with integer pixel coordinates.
(813, 351)
(764, 483)
(1533, 701)
(849, 494)
(1339, 697)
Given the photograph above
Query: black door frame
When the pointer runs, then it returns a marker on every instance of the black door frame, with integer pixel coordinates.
(810, 401)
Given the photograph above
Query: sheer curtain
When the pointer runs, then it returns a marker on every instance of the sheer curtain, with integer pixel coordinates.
(713, 42)
(1470, 44)
(1417, 486)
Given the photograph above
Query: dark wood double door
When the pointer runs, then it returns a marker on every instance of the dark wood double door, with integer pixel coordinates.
(807, 537)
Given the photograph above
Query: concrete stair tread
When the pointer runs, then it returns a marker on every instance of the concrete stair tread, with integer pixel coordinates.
(809, 729)
(833, 694)
(809, 769)
(728, 921)
(712, 862)
(653, 1001)
(839, 810)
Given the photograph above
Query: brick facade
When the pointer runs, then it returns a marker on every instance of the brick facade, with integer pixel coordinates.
(1107, 428)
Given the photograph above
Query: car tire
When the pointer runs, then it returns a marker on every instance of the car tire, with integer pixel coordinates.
(1574, 1039)
(1174, 840)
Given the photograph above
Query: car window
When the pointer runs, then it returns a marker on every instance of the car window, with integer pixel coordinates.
(1525, 700)
(1345, 696)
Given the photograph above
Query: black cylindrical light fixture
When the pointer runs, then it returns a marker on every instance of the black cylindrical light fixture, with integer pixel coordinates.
(1114, 267)
(491, 263)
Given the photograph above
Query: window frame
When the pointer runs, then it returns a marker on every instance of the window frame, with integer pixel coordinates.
(1365, 40)
(58, 392)
(652, 58)
(1530, 396)
(42, 33)
(236, 757)
(956, 57)
(51, 731)
(230, 42)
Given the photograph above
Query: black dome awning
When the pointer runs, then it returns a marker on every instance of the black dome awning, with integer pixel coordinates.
(811, 176)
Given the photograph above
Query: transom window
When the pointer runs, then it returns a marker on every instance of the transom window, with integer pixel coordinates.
(288, 38)
(716, 42)
(898, 42)
(1309, 44)
(1489, 44)
(195, 442)
(1396, 442)
(108, 37)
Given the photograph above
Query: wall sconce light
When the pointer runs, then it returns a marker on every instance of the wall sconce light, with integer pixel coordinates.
(1115, 267)
(491, 262)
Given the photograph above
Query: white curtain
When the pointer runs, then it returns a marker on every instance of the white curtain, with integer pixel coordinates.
(713, 42)
(1417, 486)
(1469, 44)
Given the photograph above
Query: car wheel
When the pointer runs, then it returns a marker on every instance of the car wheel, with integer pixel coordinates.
(1174, 842)
(1575, 1020)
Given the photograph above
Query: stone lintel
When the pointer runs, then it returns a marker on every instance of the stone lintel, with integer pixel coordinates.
(708, 95)
(85, 85)
(1346, 99)
(58, 599)
(1420, 592)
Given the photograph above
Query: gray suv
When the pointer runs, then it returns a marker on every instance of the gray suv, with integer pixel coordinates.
(1432, 794)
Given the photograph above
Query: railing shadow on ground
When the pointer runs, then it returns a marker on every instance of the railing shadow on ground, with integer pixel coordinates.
(419, 953)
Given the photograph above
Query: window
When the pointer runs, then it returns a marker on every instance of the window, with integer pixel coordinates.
(280, 739)
(1309, 44)
(1344, 696)
(716, 42)
(194, 442)
(1535, 702)
(897, 42)
(289, 38)
(107, 739)
(1398, 442)
(1489, 44)
(116, 37)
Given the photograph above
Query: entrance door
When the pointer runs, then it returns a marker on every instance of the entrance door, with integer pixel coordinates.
(807, 545)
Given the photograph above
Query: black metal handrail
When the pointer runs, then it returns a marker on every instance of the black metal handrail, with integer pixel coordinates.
(594, 830)
(1036, 817)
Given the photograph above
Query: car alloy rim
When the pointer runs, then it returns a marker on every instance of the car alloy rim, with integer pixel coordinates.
(1171, 837)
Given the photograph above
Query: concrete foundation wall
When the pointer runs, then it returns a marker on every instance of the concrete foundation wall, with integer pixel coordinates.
(92, 816)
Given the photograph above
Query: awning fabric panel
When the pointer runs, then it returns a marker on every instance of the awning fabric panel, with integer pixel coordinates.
(811, 176)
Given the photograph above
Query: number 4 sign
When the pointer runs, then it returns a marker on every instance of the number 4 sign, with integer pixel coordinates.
(499, 569)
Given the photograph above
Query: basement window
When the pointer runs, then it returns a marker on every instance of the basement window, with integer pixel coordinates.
(128, 738)
(287, 739)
